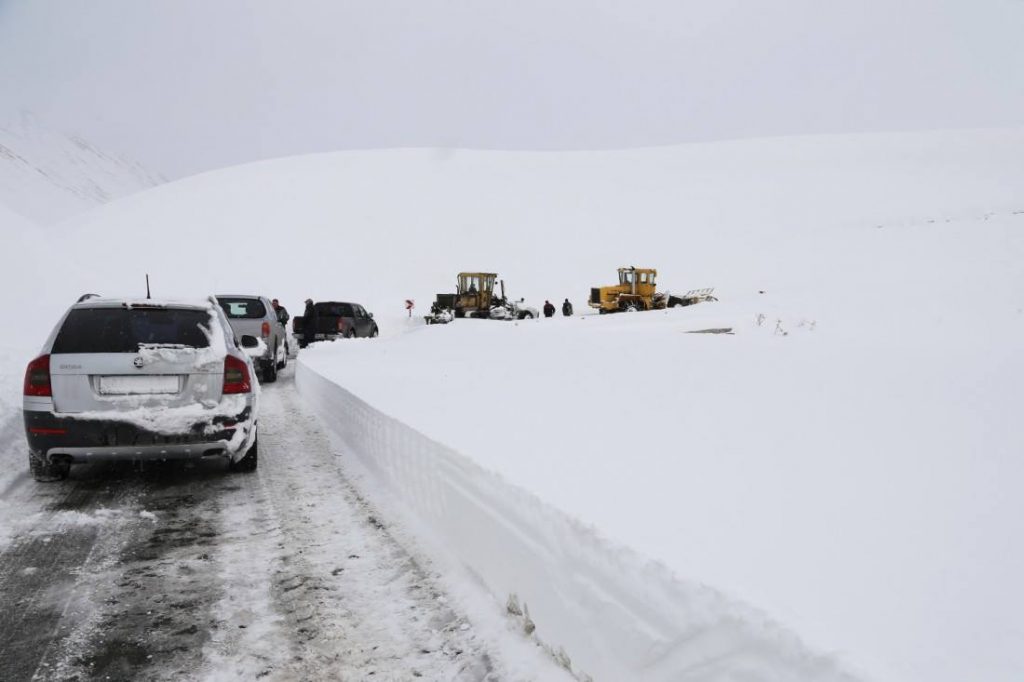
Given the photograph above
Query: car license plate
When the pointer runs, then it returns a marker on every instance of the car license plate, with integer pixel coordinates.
(138, 385)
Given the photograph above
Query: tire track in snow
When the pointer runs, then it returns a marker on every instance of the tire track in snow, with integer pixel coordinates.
(327, 593)
(60, 537)
(152, 603)
(107, 591)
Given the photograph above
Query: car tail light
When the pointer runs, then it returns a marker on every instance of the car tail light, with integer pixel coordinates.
(265, 330)
(236, 376)
(47, 432)
(341, 325)
(37, 377)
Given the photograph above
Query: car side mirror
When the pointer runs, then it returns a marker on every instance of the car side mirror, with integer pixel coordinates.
(371, 316)
(249, 341)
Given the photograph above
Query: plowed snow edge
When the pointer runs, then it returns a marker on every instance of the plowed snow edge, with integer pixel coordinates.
(602, 610)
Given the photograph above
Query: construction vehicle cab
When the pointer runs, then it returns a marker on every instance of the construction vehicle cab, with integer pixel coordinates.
(638, 280)
(474, 294)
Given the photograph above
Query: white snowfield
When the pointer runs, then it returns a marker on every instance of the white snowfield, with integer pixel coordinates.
(832, 490)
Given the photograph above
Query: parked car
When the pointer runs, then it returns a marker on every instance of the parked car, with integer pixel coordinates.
(140, 380)
(255, 316)
(336, 319)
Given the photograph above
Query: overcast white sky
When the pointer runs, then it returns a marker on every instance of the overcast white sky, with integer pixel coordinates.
(187, 85)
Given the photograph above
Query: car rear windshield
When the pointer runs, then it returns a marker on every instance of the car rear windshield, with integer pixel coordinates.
(121, 330)
(243, 308)
(334, 309)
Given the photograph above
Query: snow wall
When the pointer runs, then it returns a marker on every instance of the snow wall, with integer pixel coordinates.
(614, 615)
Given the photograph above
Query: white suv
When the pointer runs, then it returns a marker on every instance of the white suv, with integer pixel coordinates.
(120, 379)
(255, 316)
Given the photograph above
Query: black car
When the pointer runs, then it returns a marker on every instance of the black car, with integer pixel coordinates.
(336, 319)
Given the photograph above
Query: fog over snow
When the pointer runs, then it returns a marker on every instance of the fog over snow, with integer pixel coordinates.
(187, 85)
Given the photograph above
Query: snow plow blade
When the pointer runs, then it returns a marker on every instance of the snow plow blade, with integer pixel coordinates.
(693, 296)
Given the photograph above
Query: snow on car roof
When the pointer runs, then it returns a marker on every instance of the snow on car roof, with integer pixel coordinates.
(131, 302)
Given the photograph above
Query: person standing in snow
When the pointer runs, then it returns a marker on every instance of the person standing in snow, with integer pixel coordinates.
(549, 309)
(281, 312)
(308, 323)
(567, 308)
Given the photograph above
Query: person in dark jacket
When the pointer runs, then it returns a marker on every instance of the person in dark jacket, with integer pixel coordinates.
(280, 311)
(308, 324)
(549, 309)
(567, 308)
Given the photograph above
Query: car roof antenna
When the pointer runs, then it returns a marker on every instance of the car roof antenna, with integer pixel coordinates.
(147, 287)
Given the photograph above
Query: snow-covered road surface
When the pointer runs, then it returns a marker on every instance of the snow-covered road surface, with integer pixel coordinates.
(176, 570)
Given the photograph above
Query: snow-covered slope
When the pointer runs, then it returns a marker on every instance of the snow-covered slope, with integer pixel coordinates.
(48, 176)
(845, 461)
(383, 226)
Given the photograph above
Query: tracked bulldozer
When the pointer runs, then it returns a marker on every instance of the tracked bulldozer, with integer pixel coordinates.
(475, 297)
(637, 291)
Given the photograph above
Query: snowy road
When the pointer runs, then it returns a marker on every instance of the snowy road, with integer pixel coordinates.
(190, 570)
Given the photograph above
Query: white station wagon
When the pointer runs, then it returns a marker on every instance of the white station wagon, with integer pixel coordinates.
(122, 379)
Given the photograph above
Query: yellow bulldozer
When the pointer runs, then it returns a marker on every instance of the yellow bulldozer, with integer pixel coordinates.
(636, 291)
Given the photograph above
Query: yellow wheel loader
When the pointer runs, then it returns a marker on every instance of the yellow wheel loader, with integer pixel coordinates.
(636, 291)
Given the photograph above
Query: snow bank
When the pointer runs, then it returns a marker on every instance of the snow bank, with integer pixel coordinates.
(13, 450)
(598, 605)
(15, 353)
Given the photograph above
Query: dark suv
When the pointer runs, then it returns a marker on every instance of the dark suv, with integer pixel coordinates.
(336, 319)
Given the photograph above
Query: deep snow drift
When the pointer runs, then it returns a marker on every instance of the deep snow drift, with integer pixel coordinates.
(845, 461)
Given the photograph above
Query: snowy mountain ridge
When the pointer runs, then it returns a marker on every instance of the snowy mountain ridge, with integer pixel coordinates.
(47, 176)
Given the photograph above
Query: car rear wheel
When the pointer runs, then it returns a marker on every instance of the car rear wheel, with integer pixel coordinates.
(249, 461)
(284, 362)
(270, 370)
(48, 472)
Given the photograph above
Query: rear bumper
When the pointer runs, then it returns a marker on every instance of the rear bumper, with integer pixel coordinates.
(55, 437)
(301, 338)
(138, 453)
